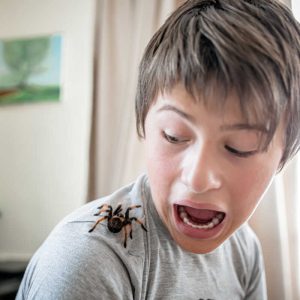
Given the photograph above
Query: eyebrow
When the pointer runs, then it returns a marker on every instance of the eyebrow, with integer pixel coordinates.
(183, 114)
(244, 126)
(227, 127)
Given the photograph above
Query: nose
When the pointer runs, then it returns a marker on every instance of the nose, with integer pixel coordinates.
(201, 172)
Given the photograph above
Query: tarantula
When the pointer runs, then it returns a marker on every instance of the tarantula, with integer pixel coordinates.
(116, 221)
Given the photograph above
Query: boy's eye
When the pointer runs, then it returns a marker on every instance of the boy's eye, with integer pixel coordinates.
(240, 153)
(174, 139)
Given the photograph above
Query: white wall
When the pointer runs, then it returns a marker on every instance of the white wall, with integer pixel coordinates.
(296, 8)
(44, 146)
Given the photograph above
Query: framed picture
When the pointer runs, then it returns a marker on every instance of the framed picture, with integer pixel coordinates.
(30, 69)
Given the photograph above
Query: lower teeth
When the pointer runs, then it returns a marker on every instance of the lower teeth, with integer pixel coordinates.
(214, 222)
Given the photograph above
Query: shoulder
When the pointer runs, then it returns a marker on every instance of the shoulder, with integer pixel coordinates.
(246, 241)
(246, 253)
(79, 223)
(245, 248)
(126, 195)
(75, 262)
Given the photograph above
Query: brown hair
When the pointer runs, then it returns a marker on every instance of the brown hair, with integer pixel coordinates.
(249, 46)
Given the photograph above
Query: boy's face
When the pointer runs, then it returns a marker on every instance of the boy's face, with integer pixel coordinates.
(206, 175)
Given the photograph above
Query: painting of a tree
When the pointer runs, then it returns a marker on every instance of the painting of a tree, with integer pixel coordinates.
(30, 69)
(24, 57)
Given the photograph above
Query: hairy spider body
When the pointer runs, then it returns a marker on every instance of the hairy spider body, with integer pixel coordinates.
(115, 224)
(116, 221)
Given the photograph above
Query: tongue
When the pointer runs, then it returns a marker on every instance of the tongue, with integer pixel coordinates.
(201, 214)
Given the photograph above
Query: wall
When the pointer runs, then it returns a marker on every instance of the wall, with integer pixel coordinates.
(296, 9)
(44, 146)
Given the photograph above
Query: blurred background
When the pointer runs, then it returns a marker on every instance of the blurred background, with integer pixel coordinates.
(57, 155)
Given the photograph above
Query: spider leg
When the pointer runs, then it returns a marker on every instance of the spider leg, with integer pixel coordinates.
(125, 236)
(100, 220)
(104, 208)
(129, 209)
(130, 233)
(117, 210)
(139, 222)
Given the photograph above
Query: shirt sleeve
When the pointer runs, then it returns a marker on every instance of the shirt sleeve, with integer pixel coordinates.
(76, 266)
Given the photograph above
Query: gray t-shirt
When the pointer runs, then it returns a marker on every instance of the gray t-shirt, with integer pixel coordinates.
(74, 264)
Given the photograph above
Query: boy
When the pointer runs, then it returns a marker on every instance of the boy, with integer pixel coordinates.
(218, 108)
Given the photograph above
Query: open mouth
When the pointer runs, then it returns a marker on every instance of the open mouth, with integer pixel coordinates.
(200, 218)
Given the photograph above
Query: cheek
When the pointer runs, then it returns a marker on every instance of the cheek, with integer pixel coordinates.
(160, 162)
(248, 189)
(161, 169)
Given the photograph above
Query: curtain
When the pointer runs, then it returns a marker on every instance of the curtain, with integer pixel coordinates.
(277, 224)
(123, 28)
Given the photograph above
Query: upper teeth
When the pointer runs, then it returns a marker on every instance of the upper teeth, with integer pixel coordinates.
(215, 221)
